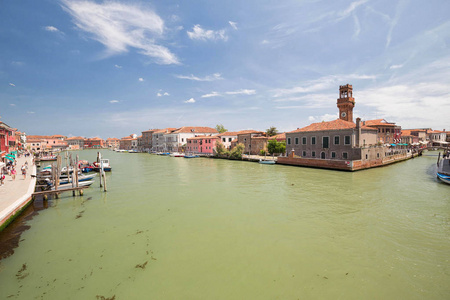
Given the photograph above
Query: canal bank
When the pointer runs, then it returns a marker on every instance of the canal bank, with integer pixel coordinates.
(16, 195)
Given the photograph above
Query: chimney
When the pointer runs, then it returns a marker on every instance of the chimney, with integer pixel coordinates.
(358, 133)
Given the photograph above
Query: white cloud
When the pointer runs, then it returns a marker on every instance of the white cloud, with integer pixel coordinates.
(242, 92)
(30, 112)
(198, 33)
(159, 94)
(393, 67)
(18, 63)
(114, 101)
(51, 29)
(321, 84)
(166, 94)
(12, 84)
(215, 76)
(325, 117)
(233, 24)
(12, 104)
(141, 79)
(192, 100)
(118, 67)
(212, 94)
(121, 26)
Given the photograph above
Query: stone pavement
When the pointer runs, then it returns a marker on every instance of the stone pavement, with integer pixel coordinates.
(14, 194)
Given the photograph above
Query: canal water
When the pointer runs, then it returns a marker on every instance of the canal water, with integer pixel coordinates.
(175, 228)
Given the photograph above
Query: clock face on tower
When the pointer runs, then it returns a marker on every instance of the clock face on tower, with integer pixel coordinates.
(343, 114)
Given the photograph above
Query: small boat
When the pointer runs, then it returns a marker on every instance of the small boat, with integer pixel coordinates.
(106, 166)
(47, 158)
(191, 156)
(177, 154)
(81, 178)
(266, 162)
(69, 186)
(85, 166)
(443, 178)
(443, 170)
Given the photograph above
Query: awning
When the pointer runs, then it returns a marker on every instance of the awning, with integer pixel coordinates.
(11, 157)
(393, 145)
(7, 157)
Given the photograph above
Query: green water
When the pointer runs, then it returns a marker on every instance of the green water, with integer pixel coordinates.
(174, 228)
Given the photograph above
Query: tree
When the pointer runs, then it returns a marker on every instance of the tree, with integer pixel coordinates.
(236, 152)
(220, 149)
(220, 128)
(276, 147)
(272, 131)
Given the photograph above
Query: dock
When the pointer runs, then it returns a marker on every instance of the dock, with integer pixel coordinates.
(16, 195)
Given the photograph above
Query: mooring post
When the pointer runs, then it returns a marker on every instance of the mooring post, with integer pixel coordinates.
(104, 181)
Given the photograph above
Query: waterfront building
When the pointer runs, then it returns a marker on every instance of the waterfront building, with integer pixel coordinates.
(252, 140)
(177, 138)
(113, 143)
(94, 143)
(388, 132)
(7, 139)
(202, 144)
(339, 144)
(438, 137)
(159, 141)
(126, 143)
(75, 142)
(408, 138)
(227, 137)
(34, 145)
(139, 143)
(50, 142)
(147, 138)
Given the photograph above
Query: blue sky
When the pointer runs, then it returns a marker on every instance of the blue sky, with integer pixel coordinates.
(112, 68)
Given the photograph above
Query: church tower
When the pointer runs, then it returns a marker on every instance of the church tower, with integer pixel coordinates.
(346, 102)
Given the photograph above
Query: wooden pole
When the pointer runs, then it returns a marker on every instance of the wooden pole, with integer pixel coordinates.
(99, 159)
(76, 167)
(104, 181)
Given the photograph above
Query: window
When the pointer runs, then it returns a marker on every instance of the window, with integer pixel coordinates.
(322, 155)
(378, 155)
(304, 153)
(296, 140)
(364, 142)
(345, 155)
(333, 154)
(288, 141)
(313, 154)
(304, 140)
(224, 140)
(325, 142)
(229, 139)
(367, 156)
(336, 140)
(347, 140)
(313, 140)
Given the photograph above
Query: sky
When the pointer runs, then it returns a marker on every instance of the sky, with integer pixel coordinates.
(113, 68)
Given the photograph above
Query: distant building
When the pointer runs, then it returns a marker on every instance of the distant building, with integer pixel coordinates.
(95, 143)
(438, 138)
(202, 144)
(159, 139)
(252, 140)
(388, 132)
(177, 138)
(7, 139)
(147, 138)
(129, 142)
(75, 141)
(113, 143)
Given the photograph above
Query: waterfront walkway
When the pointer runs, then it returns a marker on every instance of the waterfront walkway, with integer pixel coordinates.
(16, 194)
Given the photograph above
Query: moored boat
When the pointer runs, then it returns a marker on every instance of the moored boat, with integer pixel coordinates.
(266, 162)
(443, 172)
(106, 166)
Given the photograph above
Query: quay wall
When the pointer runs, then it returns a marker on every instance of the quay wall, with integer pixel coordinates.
(15, 209)
(352, 165)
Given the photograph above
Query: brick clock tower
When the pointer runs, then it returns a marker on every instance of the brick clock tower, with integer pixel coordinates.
(346, 102)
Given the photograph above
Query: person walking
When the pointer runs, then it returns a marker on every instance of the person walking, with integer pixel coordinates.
(13, 173)
(24, 172)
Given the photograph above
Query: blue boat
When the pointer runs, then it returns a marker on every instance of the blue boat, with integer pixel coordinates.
(443, 178)
(191, 156)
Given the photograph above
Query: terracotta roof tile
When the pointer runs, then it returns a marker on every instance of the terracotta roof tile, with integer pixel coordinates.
(195, 130)
(379, 122)
(249, 131)
(331, 125)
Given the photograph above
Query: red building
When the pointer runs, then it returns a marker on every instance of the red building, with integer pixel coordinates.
(94, 143)
(202, 144)
(7, 139)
